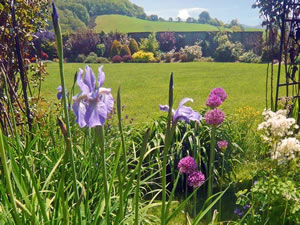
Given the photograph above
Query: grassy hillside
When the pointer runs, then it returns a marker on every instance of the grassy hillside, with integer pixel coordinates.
(127, 24)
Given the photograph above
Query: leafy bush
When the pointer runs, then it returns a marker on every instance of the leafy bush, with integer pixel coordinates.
(102, 60)
(115, 48)
(125, 50)
(226, 50)
(176, 56)
(149, 44)
(133, 46)
(116, 59)
(81, 58)
(100, 50)
(142, 56)
(91, 58)
(168, 58)
(204, 59)
(250, 57)
(167, 41)
(184, 58)
(127, 58)
(82, 42)
(192, 52)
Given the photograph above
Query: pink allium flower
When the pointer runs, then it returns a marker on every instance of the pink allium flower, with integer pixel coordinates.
(222, 145)
(187, 165)
(214, 117)
(220, 92)
(196, 179)
(213, 101)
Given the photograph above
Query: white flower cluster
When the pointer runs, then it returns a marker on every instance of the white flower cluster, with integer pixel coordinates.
(277, 125)
(287, 150)
(193, 52)
(278, 130)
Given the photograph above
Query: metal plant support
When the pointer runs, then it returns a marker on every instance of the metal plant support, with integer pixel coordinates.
(289, 57)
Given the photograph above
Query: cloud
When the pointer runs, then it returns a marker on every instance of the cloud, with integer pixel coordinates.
(190, 12)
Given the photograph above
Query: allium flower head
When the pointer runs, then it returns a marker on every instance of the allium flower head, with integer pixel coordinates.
(220, 92)
(187, 165)
(196, 179)
(213, 101)
(183, 112)
(214, 117)
(222, 145)
(94, 103)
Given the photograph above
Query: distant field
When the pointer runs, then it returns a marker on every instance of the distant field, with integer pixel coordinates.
(144, 86)
(127, 24)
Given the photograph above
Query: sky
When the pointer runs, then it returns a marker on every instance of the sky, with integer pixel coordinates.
(225, 10)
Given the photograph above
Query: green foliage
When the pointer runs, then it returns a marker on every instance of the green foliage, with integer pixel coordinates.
(150, 44)
(274, 199)
(204, 17)
(226, 50)
(70, 21)
(81, 58)
(100, 50)
(133, 46)
(77, 9)
(125, 50)
(93, 58)
(76, 14)
(115, 48)
(250, 57)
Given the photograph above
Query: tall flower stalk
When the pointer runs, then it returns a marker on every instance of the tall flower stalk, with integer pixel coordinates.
(183, 113)
(59, 43)
(214, 118)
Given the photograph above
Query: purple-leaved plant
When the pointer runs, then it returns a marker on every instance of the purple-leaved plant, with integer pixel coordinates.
(94, 103)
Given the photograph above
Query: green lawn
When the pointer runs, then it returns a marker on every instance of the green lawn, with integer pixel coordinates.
(144, 86)
(127, 24)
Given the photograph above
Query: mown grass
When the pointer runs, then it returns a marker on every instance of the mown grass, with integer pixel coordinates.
(127, 24)
(144, 86)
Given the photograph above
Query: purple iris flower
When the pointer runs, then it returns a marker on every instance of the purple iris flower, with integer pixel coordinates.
(59, 92)
(94, 103)
(183, 112)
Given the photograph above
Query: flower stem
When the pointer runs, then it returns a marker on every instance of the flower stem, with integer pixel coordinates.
(66, 112)
(221, 184)
(100, 139)
(121, 176)
(170, 129)
(211, 170)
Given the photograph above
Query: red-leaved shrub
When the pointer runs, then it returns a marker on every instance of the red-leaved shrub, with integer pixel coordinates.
(116, 59)
(126, 58)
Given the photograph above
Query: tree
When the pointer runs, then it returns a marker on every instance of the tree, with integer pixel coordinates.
(170, 19)
(204, 17)
(154, 17)
(191, 20)
(178, 19)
